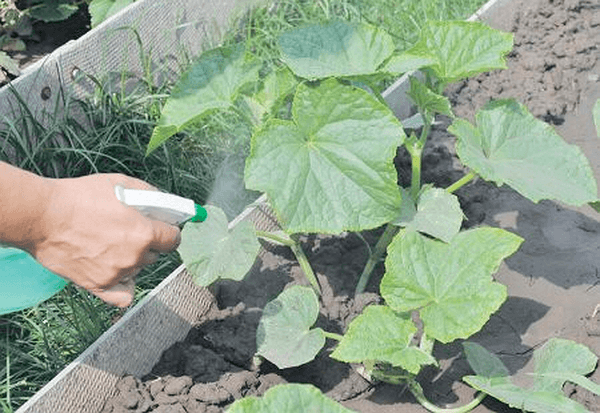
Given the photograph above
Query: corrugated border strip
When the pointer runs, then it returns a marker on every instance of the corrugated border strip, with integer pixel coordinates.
(169, 29)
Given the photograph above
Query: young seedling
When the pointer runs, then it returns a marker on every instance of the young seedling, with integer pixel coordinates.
(558, 361)
(449, 285)
(289, 398)
(326, 166)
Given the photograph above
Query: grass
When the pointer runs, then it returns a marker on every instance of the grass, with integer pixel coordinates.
(401, 18)
(109, 133)
(39, 342)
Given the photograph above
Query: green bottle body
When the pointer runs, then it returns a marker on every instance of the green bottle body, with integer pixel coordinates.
(24, 282)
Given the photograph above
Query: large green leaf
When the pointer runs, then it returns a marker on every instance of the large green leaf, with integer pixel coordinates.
(436, 213)
(289, 398)
(380, 334)
(284, 335)
(53, 10)
(561, 356)
(213, 82)
(101, 10)
(409, 62)
(454, 50)
(451, 283)
(211, 251)
(504, 390)
(276, 86)
(427, 100)
(574, 378)
(331, 168)
(337, 48)
(556, 362)
(510, 146)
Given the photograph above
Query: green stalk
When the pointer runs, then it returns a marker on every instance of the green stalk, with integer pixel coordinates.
(417, 391)
(376, 92)
(415, 183)
(276, 238)
(305, 265)
(298, 252)
(415, 148)
(462, 181)
(333, 336)
(428, 121)
(375, 257)
(426, 344)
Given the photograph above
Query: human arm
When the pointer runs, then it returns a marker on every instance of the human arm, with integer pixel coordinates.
(78, 229)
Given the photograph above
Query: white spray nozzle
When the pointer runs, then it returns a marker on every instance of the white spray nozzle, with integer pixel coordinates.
(156, 205)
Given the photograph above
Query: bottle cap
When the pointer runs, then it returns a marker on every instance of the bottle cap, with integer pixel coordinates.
(201, 214)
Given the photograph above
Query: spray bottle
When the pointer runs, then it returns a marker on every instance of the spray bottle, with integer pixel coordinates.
(24, 282)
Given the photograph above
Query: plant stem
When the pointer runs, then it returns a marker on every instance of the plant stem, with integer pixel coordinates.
(462, 181)
(333, 336)
(415, 183)
(375, 257)
(426, 344)
(375, 92)
(415, 148)
(427, 122)
(305, 265)
(298, 252)
(276, 238)
(417, 391)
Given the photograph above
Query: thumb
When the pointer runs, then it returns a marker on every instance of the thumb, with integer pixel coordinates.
(166, 237)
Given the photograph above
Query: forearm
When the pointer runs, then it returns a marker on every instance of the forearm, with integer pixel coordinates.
(23, 199)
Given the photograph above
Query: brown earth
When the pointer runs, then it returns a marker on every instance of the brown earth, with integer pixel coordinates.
(44, 39)
(553, 280)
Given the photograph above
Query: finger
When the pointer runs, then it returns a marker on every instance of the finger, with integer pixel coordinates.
(131, 276)
(126, 277)
(120, 295)
(166, 237)
(149, 257)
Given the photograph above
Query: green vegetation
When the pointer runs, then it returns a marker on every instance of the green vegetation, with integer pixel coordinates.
(113, 136)
(42, 340)
(17, 20)
(325, 161)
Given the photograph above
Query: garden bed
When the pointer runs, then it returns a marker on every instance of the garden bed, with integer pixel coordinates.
(553, 280)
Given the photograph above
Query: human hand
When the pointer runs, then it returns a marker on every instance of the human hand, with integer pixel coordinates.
(92, 239)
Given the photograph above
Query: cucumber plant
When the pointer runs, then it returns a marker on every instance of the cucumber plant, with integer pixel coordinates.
(322, 151)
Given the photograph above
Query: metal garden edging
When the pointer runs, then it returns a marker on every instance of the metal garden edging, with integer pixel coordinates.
(167, 29)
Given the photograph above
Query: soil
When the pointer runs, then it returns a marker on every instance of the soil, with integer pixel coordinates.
(45, 38)
(553, 280)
